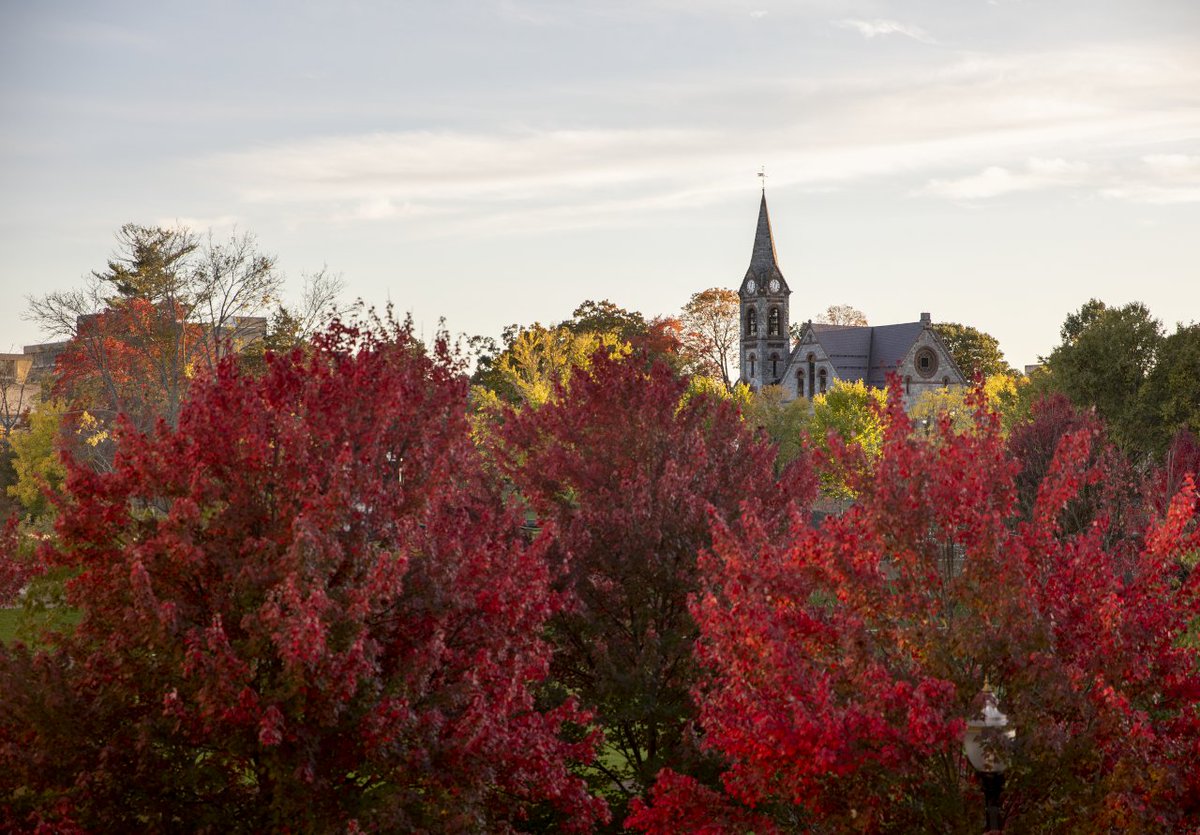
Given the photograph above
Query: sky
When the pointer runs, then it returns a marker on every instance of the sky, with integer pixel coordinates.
(994, 162)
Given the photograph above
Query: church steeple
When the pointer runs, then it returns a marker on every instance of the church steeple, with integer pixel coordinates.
(763, 261)
(765, 344)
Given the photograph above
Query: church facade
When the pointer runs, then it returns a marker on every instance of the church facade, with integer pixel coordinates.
(824, 353)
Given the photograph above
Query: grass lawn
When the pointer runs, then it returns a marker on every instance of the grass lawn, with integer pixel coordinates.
(8, 624)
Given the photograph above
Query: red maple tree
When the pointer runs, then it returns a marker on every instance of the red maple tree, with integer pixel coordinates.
(628, 477)
(305, 609)
(840, 661)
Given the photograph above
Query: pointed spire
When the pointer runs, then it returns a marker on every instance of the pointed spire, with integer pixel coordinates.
(762, 260)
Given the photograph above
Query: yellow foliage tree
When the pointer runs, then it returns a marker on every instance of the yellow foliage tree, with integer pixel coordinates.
(36, 461)
(541, 358)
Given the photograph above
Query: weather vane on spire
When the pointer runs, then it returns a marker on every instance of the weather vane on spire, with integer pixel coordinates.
(762, 178)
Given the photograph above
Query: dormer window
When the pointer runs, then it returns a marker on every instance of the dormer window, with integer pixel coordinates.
(752, 322)
(773, 322)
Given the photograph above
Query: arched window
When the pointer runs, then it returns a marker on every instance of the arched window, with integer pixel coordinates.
(812, 376)
(926, 362)
(751, 321)
(751, 358)
(773, 322)
(799, 382)
(774, 366)
(822, 379)
(908, 384)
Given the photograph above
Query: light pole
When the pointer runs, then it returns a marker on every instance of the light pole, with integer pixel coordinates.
(986, 743)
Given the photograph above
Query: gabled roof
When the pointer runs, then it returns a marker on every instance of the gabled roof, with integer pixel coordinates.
(866, 353)
(891, 343)
(848, 348)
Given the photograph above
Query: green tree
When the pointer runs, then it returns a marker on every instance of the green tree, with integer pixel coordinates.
(1076, 323)
(785, 422)
(972, 349)
(1105, 358)
(1171, 396)
(606, 317)
(853, 412)
(655, 339)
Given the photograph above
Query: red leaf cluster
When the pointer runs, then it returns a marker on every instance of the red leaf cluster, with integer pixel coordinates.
(840, 662)
(629, 477)
(305, 609)
(134, 359)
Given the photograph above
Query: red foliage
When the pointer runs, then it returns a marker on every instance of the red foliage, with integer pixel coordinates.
(1181, 461)
(841, 661)
(134, 359)
(681, 804)
(661, 340)
(305, 609)
(630, 478)
(1111, 489)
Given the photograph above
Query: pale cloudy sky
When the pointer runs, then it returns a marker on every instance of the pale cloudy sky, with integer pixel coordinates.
(995, 162)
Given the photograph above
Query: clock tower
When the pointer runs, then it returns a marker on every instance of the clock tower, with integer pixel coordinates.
(765, 346)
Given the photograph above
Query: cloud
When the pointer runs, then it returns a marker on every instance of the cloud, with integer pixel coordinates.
(758, 14)
(1154, 178)
(1160, 179)
(878, 26)
(994, 180)
(974, 128)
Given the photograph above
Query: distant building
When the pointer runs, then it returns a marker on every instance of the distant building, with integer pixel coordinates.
(43, 356)
(19, 392)
(825, 353)
(26, 376)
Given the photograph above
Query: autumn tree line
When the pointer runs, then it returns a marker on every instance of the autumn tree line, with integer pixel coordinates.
(335, 578)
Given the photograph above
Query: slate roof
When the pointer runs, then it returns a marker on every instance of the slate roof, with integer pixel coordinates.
(867, 353)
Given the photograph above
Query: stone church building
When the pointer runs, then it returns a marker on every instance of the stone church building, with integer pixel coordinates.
(824, 353)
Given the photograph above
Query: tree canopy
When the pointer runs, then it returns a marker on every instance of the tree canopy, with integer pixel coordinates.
(304, 608)
(625, 475)
(843, 314)
(1105, 358)
(711, 328)
(973, 351)
(839, 661)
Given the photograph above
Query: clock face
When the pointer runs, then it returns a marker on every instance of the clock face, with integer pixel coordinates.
(774, 285)
(751, 286)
